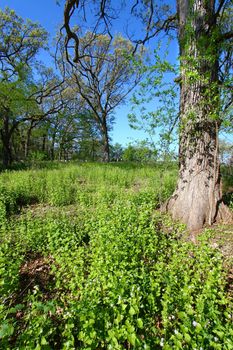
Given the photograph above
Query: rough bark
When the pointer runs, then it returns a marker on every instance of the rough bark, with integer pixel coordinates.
(197, 199)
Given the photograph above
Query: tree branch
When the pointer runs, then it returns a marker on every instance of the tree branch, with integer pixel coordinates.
(225, 36)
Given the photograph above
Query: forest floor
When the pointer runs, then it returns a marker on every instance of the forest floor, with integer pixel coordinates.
(222, 239)
(83, 244)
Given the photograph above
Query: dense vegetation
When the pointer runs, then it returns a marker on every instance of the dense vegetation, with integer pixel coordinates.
(87, 262)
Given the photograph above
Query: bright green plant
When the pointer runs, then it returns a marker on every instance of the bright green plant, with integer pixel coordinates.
(119, 274)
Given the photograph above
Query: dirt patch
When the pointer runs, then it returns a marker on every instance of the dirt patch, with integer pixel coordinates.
(229, 285)
(44, 210)
(35, 271)
(223, 240)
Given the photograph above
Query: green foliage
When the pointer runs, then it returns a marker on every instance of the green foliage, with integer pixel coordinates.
(155, 104)
(38, 156)
(226, 152)
(117, 277)
(116, 152)
(19, 41)
(14, 97)
(227, 174)
(140, 152)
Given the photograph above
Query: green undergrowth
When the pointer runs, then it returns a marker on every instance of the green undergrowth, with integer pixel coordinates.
(86, 262)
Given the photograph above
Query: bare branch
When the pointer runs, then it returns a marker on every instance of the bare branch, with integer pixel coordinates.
(166, 25)
(225, 36)
(220, 7)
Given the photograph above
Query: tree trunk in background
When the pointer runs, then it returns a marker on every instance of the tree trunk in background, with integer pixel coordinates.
(44, 143)
(106, 149)
(28, 139)
(197, 198)
(7, 157)
(52, 146)
(6, 138)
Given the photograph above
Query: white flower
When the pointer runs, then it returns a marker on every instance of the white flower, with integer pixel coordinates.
(176, 331)
(194, 323)
(162, 342)
(172, 317)
(215, 339)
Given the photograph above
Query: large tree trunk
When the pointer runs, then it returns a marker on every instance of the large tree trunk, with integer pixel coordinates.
(6, 134)
(7, 157)
(197, 198)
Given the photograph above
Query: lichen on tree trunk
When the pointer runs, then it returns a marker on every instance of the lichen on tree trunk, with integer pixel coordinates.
(197, 199)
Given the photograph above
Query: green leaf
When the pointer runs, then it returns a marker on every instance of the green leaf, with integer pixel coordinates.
(187, 338)
(132, 339)
(139, 323)
(43, 341)
(132, 311)
(6, 330)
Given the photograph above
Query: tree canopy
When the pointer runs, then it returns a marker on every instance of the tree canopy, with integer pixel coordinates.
(103, 75)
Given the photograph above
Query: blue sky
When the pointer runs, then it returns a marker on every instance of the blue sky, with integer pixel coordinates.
(49, 15)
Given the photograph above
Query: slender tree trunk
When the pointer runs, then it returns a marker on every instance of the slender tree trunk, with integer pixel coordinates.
(93, 150)
(197, 198)
(106, 149)
(52, 146)
(44, 143)
(28, 139)
(61, 148)
(15, 147)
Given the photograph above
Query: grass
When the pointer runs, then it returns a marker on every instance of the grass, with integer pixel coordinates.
(86, 262)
